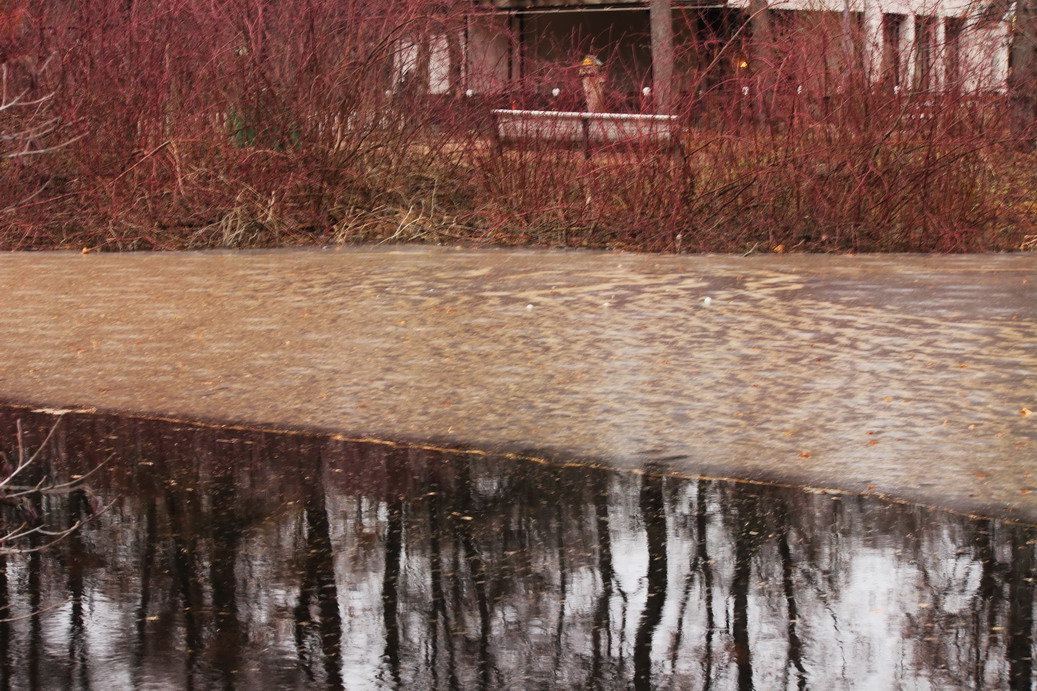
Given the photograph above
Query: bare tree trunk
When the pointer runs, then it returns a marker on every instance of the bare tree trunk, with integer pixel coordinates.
(1022, 82)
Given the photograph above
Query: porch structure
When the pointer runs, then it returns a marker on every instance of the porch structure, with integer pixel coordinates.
(656, 51)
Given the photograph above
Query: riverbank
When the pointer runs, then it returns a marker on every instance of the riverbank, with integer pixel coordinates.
(752, 194)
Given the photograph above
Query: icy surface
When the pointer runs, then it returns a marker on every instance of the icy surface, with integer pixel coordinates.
(905, 375)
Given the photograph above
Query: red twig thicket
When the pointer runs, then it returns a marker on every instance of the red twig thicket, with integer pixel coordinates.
(163, 124)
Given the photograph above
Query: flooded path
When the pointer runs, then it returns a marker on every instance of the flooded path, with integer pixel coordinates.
(217, 558)
(896, 374)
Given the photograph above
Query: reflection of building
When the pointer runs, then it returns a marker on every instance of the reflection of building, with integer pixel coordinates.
(916, 45)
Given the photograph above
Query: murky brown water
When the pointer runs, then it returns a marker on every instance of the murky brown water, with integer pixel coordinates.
(896, 374)
(242, 559)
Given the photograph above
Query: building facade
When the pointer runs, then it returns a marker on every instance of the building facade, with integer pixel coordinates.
(657, 51)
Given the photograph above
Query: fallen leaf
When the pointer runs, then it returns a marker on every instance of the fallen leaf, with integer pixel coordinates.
(805, 454)
(1025, 411)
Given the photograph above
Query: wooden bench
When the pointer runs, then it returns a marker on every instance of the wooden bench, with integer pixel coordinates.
(586, 130)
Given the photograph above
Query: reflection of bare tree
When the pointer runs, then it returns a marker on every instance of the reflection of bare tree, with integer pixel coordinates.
(186, 578)
(789, 589)
(318, 588)
(744, 543)
(563, 579)
(653, 513)
(984, 611)
(464, 516)
(147, 561)
(5, 625)
(391, 577)
(76, 556)
(706, 566)
(226, 642)
(35, 597)
(439, 615)
(254, 557)
(601, 629)
(1020, 611)
(701, 570)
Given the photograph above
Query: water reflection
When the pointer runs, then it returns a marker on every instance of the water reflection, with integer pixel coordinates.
(234, 559)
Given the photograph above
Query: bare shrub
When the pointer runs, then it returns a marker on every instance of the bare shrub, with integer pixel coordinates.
(244, 123)
(26, 481)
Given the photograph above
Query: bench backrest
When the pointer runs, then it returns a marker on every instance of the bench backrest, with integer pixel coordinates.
(585, 128)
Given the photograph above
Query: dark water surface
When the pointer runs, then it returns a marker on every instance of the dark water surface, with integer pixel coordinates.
(234, 558)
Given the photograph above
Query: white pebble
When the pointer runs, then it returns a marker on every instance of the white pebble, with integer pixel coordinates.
(707, 300)
(529, 307)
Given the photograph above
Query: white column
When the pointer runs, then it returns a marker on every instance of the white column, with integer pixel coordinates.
(907, 53)
(438, 64)
(939, 53)
(1001, 42)
(872, 40)
(660, 18)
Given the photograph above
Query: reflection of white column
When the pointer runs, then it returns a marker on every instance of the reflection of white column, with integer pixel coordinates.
(939, 53)
(872, 40)
(907, 53)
